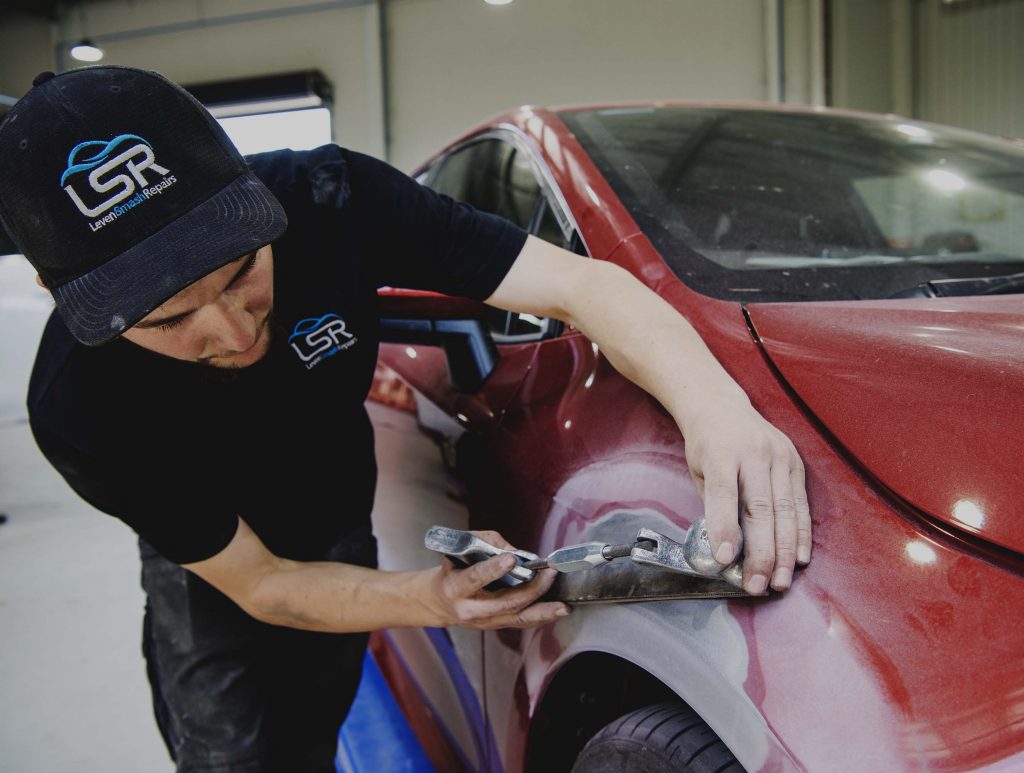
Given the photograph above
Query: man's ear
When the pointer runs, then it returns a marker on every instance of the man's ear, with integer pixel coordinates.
(39, 281)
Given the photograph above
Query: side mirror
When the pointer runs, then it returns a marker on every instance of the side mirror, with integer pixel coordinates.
(455, 324)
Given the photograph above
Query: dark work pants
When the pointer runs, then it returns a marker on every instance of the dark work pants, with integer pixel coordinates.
(234, 695)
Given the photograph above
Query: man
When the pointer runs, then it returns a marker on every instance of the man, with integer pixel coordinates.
(167, 393)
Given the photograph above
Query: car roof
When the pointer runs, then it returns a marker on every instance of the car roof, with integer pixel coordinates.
(526, 115)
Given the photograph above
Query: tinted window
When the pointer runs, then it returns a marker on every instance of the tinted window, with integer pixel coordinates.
(760, 205)
(492, 176)
(548, 228)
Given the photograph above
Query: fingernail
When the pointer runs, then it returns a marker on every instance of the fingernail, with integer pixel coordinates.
(803, 554)
(782, 578)
(757, 584)
(563, 611)
(726, 553)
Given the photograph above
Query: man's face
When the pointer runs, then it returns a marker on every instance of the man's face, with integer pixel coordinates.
(222, 320)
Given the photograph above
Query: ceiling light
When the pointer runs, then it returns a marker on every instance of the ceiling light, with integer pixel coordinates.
(85, 51)
(497, 2)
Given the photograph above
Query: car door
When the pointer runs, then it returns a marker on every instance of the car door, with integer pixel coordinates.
(495, 173)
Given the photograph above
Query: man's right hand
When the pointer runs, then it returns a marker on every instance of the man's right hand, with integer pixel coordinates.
(457, 596)
(337, 597)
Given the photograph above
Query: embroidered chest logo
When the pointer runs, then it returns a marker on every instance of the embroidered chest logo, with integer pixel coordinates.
(316, 339)
(116, 182)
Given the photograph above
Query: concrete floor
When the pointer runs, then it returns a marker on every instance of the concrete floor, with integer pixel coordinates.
(74, 694)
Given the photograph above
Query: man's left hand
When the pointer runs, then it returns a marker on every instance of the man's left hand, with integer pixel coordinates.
(746, 469)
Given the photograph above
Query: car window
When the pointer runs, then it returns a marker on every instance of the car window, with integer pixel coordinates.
(495, 176)
(916, 214)
(548, 227)
(765, 205)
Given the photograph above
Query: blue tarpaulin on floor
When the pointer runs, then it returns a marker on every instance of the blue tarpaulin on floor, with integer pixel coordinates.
(375, 737)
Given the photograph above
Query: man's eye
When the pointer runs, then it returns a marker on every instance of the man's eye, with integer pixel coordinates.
(173, 323)
(246, 268)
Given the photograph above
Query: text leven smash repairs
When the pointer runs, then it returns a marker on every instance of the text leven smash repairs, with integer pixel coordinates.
(134, 201)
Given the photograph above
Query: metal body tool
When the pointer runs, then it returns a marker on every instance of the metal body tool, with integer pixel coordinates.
(692, 557)
(465, 548)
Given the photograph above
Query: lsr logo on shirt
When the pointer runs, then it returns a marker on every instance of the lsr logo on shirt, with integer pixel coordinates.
(126, 189)
(316, 339)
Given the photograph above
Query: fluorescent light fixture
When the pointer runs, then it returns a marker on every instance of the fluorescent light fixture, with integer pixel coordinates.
(85, 51)
(497, 2)
(295, 129)
(265, 106)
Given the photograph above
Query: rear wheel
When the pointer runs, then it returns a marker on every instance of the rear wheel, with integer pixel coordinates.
(661, 738)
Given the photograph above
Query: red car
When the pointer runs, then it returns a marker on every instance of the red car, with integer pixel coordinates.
(860, 277)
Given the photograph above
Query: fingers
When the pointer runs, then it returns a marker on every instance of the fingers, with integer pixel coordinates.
(720, 510)
(803, 513)
(758, 529)
(471, 580)
(776, 519)
(785, 527)
(494, 538)
(534, 615)
(511, 600)
(514, 607)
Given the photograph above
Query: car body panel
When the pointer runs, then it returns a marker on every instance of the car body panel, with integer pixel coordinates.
(916, 390)
(896, 649)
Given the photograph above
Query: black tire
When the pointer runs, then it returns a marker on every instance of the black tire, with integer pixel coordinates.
(661, 738)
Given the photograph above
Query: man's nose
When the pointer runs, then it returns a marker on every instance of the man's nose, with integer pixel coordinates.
(235, 328)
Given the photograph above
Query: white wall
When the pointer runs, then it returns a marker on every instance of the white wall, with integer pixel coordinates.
(960, 64)
(862, 55)
(804, 45)
(970, 65)
(26, 49)
(454, 62)
(342, 42)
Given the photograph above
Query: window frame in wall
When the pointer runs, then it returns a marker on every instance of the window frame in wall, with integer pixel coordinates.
(267, 94)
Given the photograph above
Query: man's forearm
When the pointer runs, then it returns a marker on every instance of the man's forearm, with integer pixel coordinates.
(342, 598)
(649, 342)
(339, 598)
(744, 468)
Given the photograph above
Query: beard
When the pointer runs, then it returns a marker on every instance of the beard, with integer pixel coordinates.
(225, 374)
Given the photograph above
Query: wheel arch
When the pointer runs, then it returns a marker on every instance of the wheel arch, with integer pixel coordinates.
(587, 692)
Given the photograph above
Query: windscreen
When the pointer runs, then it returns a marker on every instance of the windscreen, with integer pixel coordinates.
(760, 205)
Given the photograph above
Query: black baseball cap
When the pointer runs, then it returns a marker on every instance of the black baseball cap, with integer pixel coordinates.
(121, 190)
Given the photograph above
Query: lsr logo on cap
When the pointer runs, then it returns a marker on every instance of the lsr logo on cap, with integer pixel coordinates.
(128, 185)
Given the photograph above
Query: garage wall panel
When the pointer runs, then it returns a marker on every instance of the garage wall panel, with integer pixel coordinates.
(861, 55)
(970, 64)
(454, 62)
(26, 49)
(341, 42)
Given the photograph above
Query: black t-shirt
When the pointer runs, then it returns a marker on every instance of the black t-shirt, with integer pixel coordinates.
(178, 450)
